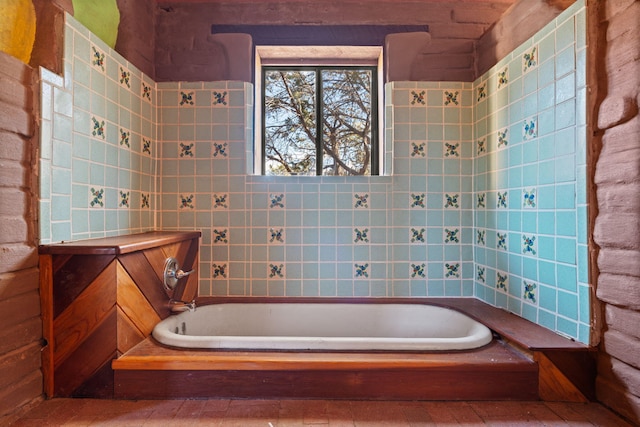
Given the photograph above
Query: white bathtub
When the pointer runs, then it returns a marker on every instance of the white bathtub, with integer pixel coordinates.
(322, 326)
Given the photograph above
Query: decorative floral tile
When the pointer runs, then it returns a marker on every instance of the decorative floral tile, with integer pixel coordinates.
(276, 235)
(529, 198)
(451, 150)
(530, 128)
(481, 146)
(502, 281)
(219, 98)
(418, 200)
(219, 271)
(276, 200)
(220, 236)
(186, 150)
(220, 201)
(502, 199)
(97, 58)
(482, 92)
(145, 200)
(96, 197)
(361, 270)
(529, 245)
(361, 201)
(451, 236)
(125, 78)
(124, 199)
(125, 137)
(503, 77)
(530, 59)
(451, 98)
(220, 149)
(146, 146)
(145, 92)
(480, 272)
(529, 291)
(187, 98)
(417, 235)
(360, 236)
(187, 202)
(276, 270)
(418, 149)
(98, 128)
(418, 97)
(451, 201)
(503, 139)
(418, 270)
(501, 241)
(480, 200)
(481, 237)
(451, 270)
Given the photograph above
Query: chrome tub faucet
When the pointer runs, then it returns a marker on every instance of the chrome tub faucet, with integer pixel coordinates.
(179, 306)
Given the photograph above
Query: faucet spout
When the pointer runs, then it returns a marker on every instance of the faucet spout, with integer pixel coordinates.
(180, 306)
(180, 274)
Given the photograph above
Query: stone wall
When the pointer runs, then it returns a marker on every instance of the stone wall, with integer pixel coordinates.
(616, 177)
(20, 336)
(520, 22)
(136, 39)
(185, 50)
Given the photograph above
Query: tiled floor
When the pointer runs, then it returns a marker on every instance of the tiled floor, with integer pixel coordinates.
(280, 413)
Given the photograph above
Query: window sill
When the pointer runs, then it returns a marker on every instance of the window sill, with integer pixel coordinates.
(377, 179)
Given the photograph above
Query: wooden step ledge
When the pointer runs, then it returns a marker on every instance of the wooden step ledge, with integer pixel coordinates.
(493, 372)
(150, 355)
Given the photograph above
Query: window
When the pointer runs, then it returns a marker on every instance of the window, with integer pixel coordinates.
(320, 120)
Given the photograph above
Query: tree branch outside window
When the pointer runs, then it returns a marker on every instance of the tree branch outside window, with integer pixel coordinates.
(338, 104)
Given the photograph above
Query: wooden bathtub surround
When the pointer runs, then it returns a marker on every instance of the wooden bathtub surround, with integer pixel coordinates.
(494, 372)
(567, 368)
(528, 362)
(100, 298)
(118, 245)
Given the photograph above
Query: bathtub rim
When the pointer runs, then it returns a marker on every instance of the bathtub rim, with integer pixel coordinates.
(514, 328)
(390, 344)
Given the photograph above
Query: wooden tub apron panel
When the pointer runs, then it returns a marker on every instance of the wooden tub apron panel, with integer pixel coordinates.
(101, 297)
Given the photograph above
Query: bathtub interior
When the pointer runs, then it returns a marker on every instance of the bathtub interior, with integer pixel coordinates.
(323, 326)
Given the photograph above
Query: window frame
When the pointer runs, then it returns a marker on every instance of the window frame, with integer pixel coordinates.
(375, 143)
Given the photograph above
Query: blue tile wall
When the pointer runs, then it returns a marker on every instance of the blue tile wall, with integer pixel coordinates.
(401, 234)
(482, 194)
(541, 91)
(98, 149)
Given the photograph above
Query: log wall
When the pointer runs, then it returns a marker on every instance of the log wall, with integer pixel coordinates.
(615, 54)
(20, 377)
